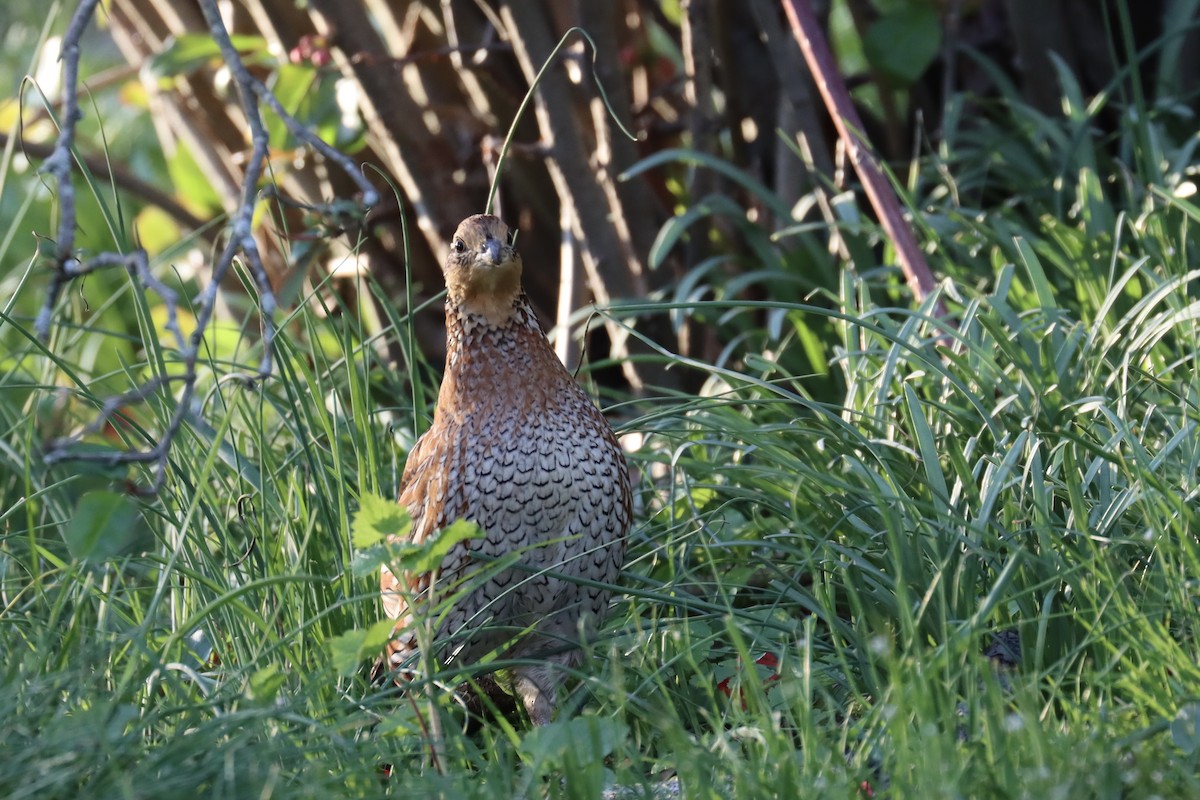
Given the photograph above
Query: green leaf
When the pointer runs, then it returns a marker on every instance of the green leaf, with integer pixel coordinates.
(190, 51)
(429, 555)
(677, 226)
(374, 524)
(585, 739)
(1185, 729)
(378, 635)
(927, 446)
(344, 651)
(265, 684)
(193, 186)
(105, 525)
(903, 43)
(367, 561)
(693, 158)
(378, 519)
(1037, 274)
(348, 650)
(693, 501)
(293, 84)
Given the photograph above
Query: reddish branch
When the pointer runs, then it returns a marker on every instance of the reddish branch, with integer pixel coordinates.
(833, 91)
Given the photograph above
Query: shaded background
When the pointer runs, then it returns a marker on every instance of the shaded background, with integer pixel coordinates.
(730, 137)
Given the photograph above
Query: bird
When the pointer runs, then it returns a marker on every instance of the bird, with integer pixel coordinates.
(519, 449)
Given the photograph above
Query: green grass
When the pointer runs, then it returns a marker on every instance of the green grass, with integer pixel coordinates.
(1038, 474)
(864, 494)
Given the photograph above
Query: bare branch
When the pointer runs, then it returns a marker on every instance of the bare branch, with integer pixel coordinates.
(241, 231)
(370, 197)
(241, 243)
(58, 165)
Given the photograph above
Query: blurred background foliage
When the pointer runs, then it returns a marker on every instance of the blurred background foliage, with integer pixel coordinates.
(736, 187)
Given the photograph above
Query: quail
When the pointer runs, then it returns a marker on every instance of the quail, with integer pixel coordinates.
(520, 450)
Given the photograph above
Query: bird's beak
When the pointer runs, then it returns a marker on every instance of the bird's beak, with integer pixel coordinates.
(491, 250)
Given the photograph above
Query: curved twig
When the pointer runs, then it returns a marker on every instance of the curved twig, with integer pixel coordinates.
(528, 98)
(58, 165)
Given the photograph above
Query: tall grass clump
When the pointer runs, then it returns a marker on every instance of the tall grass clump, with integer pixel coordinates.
(969, 569)
(1028, 474)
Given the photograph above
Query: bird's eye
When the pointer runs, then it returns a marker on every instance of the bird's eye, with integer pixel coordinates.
(458, 246)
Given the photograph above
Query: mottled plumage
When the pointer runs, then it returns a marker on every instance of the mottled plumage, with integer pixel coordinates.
(518, 448)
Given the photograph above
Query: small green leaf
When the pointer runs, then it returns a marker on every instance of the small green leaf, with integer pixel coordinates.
(193, 186)
(902, 44)
(696, 500)
(105, 525)
(189, 51)
(378, 519)
(581, 739)
(348, 650)
(1185, 729)
(403, 720)
(368, 561)
(377, 636)
(344, 651)
(265, 684)
(430, 554)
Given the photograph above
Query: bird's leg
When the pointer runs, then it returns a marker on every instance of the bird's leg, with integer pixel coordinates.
(537, 686)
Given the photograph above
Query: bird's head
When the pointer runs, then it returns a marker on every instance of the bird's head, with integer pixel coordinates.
(483, 271)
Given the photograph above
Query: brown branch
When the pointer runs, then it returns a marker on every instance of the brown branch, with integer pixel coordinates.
(118, 176)
(811, 39)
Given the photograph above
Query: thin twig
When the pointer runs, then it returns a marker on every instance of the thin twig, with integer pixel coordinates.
(433, 54)
(809, 36)
(529, 96)
(58, 165)
(241, 229)
(370, 196)
(241, 242)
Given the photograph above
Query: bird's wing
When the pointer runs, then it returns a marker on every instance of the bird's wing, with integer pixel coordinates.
(420, 494)
(421, 486)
